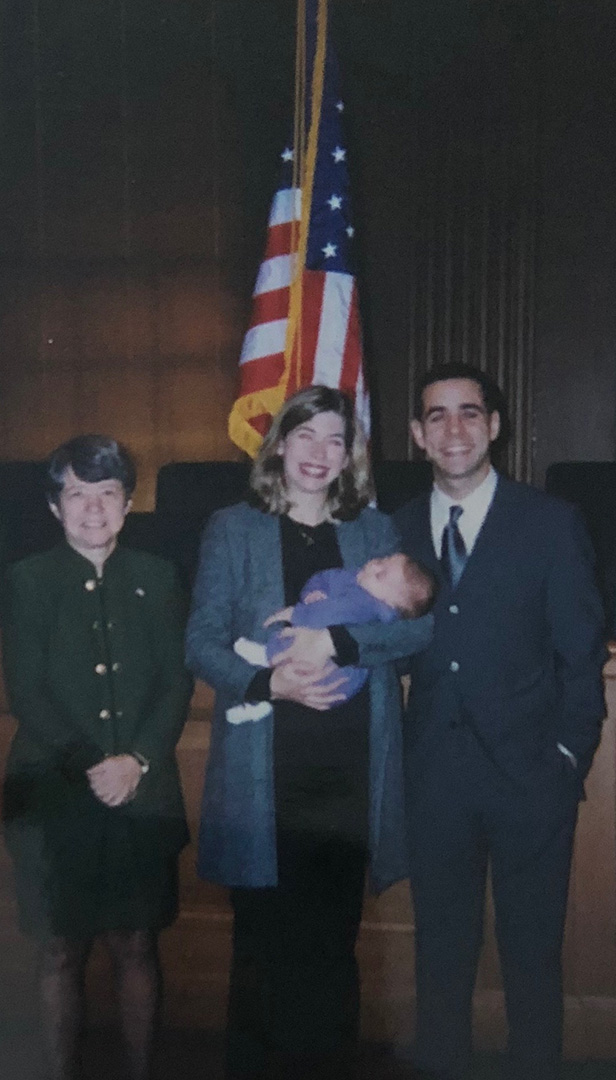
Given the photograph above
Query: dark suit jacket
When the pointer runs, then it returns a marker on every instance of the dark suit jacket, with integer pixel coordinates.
(518, 648)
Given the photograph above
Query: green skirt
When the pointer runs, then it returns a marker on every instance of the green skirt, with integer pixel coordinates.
(83, 869)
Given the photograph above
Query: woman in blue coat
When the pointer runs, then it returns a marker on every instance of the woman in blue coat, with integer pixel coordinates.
(298, 804)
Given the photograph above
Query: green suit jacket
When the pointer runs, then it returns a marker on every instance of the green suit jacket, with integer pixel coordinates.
(94, 668)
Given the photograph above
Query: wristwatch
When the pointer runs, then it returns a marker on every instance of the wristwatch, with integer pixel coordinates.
(142, 762)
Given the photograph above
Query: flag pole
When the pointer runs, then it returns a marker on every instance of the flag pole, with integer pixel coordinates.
(306, 162)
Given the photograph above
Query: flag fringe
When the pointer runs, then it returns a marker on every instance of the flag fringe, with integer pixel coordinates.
(245, 409)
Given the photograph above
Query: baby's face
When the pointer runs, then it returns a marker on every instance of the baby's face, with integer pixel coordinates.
(385, 579)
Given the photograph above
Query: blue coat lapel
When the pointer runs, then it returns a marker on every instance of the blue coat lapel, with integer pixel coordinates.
(266, 584)
(352, 543)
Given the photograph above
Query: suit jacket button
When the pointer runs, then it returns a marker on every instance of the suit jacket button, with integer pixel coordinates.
(101, 669)
(104, 714)
(116, 666)
(90, 585)
(454, 666)
(454, 609)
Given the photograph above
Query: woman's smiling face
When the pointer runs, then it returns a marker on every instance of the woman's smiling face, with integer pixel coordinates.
(313, 454)
(91, 514)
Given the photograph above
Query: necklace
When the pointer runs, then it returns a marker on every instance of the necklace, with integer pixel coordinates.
(305, 531)
(306, 537)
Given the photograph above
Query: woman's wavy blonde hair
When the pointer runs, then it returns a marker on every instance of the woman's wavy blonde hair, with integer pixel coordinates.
(349, 492)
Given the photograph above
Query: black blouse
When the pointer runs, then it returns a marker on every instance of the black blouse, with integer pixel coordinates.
(320, 758)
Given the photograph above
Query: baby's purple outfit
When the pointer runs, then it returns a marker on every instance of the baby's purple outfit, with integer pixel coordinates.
(346, 603)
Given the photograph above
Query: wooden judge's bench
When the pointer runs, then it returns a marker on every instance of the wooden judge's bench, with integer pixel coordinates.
(196, 950)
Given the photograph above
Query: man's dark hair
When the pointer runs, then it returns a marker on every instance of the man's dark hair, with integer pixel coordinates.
(92, 458)
(491, 392)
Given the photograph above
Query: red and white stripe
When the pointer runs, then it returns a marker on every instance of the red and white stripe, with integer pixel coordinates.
(330, 351)
(262, 355)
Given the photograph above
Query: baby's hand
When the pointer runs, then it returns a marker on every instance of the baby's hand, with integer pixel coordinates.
(280, 616)
(312, 597)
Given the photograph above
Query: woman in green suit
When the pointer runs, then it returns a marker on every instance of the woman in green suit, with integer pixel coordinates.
(94, 818)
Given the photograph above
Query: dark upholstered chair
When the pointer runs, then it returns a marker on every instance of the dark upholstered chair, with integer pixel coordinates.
(398, 481)
(26, 523)
(187, 493)
(592, 486)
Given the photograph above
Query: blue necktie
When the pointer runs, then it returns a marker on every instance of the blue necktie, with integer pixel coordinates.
(453, 551)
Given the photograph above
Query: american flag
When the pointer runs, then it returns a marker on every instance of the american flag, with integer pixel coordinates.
(305, 326)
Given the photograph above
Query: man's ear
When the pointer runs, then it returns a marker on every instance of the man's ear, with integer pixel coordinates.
(128, 505)
(417, 433)
(494, 425)
(54, 509)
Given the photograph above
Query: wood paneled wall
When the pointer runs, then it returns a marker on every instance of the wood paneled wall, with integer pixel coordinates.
(140, 139)
(139, 143)
(575, 373)
(474, 232)
(121, 275)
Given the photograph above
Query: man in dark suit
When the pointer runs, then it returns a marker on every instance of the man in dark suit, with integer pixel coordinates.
(504, 716)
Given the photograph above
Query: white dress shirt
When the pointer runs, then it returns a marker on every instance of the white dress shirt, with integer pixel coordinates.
(475, 508)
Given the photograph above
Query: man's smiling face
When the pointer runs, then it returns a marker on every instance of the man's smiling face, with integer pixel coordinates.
(455, 432)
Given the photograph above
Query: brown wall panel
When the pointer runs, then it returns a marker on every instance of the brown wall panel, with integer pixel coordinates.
(122, 308)
(153, 361)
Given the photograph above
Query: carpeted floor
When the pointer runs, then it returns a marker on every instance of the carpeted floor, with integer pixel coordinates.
(197, 1055)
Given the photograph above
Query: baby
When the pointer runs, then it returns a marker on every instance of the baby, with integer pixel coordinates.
(380, 591)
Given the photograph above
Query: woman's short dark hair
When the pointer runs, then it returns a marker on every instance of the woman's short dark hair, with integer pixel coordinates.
(349, 492)
(92, 458)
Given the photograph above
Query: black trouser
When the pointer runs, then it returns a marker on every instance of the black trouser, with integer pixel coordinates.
(463, 814)
(294, 982)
